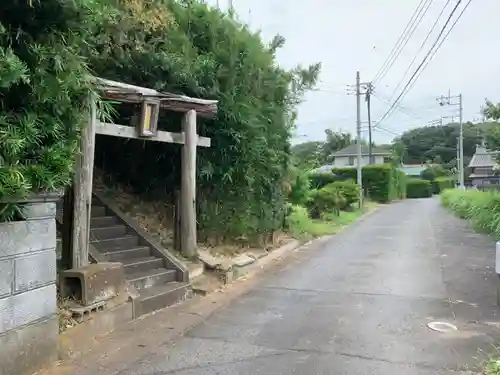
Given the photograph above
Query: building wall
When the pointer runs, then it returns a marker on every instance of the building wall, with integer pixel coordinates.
(352, 161)
(28, 298)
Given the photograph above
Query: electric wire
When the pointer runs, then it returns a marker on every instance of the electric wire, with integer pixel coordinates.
(424, 60)
(420, 49)
(408, 32)
(438, 47)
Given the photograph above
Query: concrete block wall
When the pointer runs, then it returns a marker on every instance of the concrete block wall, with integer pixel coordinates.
(28, 295)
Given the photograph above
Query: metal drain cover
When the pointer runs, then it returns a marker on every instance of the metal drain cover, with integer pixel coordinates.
(442, 327)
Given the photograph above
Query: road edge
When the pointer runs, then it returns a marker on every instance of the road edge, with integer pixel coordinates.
(115, 351)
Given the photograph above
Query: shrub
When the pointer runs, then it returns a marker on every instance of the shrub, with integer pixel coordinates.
(300, 189)
(378, 181)
(433, 172)
(326, 200)
(442, 183)
(482, 208)
(349, 190)
(417, 188)
(320, 180)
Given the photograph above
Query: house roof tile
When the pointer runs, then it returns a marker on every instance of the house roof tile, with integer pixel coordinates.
(484, 158)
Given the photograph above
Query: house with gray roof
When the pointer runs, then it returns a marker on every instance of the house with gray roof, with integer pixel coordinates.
(483, 165)
(348, 156)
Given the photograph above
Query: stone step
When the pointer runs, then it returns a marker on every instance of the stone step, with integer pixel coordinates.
(97, 211)
(122, 255)
(147, 279)
(124, 242)
(134, 265)
(161, 296)
(102, 222)
(105, 233)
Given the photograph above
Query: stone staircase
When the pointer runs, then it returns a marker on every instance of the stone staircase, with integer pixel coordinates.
(156, 278)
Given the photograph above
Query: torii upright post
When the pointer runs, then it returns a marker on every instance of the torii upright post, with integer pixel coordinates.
(188, 186)
(83, 191)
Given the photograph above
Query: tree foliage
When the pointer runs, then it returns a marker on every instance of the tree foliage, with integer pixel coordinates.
(492, 138)
(196, 50)
(492, 110)
(336, 141)
(44, 83)
(309, 155)
(424, 144)
(313, 154)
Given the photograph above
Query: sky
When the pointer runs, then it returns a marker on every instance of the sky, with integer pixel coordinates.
(358, 36)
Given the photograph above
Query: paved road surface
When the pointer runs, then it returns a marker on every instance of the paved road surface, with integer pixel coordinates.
(359, 305)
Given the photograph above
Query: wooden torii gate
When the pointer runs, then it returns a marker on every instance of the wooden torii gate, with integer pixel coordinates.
(151, 102)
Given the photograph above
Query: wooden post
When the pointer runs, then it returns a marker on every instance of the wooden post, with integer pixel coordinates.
(83, 191)
(177, 221)
(67, 233)
(188, 186)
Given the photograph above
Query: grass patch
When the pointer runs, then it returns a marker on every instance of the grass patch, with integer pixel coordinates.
(302, 227)
(492, 367)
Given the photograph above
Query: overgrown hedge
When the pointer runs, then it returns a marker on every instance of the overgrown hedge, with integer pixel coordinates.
(418, 188)
(482, 208)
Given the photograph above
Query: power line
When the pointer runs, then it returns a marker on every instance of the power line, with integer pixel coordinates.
(387, 131)
(426, 57)
(401, 108)
(390, 131)
(420, 49)
(398, 42)
(439, 46)
(410, 28)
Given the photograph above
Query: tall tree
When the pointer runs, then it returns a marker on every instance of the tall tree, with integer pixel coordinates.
(336, 141)
(492, 111)
(309, 155)
(428, 143)
(313, 154)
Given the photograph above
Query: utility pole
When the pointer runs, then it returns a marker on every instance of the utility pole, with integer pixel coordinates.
(358, 133)
(368, 108)
(461, 110)
(458, 158)
(457, 100)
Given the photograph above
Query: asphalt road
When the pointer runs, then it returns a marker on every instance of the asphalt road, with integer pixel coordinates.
(358, 305)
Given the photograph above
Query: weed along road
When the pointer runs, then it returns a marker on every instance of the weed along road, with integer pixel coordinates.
(359, 304)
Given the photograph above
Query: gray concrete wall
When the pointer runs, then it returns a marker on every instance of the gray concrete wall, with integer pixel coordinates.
(28, 298)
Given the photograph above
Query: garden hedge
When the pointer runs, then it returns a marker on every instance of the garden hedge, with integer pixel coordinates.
(382, 183)
(442, 183)
(417, 188)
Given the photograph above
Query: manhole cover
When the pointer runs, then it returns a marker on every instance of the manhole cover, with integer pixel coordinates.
(442, 327)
